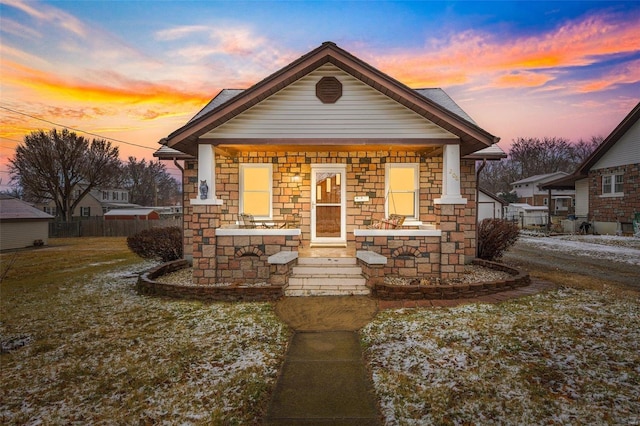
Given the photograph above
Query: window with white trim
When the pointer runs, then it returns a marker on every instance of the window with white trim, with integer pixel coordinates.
(612, 184)
(402, 189)
(85, 211)
(256, 189)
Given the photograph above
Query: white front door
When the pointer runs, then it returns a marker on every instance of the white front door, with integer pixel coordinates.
(328, 204)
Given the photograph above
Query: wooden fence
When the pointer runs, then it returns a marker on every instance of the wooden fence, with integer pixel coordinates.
(98, 227)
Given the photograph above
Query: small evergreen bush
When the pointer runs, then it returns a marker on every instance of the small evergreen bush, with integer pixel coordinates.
(163, 244)
(495, 236)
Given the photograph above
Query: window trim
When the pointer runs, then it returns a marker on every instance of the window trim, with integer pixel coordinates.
(244, 166)
(613, 181)
(416, 190)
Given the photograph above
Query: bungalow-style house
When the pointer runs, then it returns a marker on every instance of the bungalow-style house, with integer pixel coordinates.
(607, 183)
(560, 202)
(319, 154)
(22, 225)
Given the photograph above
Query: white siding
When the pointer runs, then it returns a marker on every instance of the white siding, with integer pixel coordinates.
(488, 208)
(23, 234)
(625, 151)
(361, 112)
(582, 197)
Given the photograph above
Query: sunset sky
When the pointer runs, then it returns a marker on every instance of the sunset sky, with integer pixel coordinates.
(135, 71)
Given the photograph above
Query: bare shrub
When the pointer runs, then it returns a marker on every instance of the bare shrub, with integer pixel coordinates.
(495, 236)
(163, 244)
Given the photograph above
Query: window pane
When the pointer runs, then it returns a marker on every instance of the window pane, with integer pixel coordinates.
(401, 179)
(618, 183)
(256, 203)
(256, 179)
(606, 184)
(402, 203)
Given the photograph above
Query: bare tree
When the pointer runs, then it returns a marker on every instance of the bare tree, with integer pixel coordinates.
(149, 183)
(533, 156)
(63, 167)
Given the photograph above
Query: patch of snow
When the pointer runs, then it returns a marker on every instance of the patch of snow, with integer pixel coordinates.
(613, 248)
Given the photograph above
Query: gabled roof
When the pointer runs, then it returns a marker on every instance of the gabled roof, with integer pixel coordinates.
(493, 196)
(230, 103)
(14, 209)
(569, 182)
(539, 178)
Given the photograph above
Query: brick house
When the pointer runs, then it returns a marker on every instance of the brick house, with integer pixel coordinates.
(325, 147)
(607, 183)
(529, 190)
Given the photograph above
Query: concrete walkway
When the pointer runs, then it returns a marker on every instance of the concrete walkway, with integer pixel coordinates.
(324, 380)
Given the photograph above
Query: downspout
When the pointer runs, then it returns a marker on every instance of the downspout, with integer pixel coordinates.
(482, 166)
(175, 162)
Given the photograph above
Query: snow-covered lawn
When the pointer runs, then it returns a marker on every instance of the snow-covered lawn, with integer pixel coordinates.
(563, 357)
(609, 247)
(98, 353)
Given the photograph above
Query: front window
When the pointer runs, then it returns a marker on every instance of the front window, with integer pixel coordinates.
(402, 189)
(85, 211)
(612, 184)
(114, 194)
(256, 189)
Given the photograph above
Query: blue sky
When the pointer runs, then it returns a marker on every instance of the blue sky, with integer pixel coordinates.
(136, 70)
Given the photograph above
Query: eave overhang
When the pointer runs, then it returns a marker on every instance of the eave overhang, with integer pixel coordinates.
(472, 137)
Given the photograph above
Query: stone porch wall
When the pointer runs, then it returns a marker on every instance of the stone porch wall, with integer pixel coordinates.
(409, 253)
(242, 255)
(365, 176)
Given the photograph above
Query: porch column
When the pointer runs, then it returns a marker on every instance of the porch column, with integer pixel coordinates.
(451, 176)
(206, 175)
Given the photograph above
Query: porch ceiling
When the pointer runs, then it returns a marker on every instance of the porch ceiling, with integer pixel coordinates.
(232, 150)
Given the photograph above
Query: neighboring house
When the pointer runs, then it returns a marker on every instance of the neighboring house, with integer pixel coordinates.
(607, 183)
(22, 225)
(95, 204)
(490, 206)
(329, 145)
(526, 215)
(132, 214)
(560, 202)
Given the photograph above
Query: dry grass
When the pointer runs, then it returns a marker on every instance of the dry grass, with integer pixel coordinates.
(565, 357)
(97, 352)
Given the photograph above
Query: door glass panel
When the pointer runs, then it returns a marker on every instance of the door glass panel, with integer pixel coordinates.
(328, 204)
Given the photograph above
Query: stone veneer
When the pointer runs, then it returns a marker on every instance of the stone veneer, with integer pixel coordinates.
(147, 285)
(455, 291)
(215, 259)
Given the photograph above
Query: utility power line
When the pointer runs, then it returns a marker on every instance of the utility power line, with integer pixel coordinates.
(74, 129)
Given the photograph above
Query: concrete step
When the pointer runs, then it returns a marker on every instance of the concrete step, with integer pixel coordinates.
(326, 270)
(299, 292)
(326, 261)
(326, 277)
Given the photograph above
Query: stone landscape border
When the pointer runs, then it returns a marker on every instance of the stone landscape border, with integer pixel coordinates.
(455, 291)
(148, 286)
(232, 293)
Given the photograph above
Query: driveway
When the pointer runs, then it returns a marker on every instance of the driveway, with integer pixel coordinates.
(612, 259)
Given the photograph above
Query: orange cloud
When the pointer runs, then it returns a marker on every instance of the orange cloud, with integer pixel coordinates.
(629, 73)
(128, 91)
(465, 57)
(522, 79)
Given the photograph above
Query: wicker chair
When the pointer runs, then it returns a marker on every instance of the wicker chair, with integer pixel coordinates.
(392, 222)
(246, 221)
